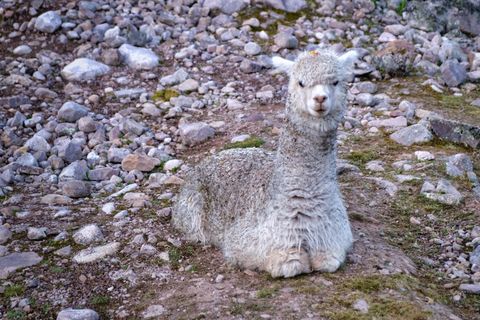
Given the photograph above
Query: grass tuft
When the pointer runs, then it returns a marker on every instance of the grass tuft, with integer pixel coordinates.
(252, 142)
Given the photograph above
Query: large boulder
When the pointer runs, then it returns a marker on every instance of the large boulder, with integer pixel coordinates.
(83, 69)
(408, 136)
(456, 132)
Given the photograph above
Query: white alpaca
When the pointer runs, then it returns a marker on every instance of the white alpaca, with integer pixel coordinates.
(282, 212)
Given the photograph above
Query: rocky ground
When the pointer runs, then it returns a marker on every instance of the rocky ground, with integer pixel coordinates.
(104, 105)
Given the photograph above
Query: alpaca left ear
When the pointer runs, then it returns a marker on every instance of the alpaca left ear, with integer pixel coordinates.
(348, 58)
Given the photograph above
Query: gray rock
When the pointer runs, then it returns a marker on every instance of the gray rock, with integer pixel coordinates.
(287, 5)
(177, 77)
(77, 170)
(111, 57)
(96, 253)
(73, 151)
(22, 50)
(453, 73)
(408, 136)
(83, 69)
(37, 144)
(458, 165)
(188, 85)
(76, 189)
(445, 192)
(366, 87)
(36, 233)
(252, 49)
(48, 22)
(87, 124)
(5, 234)
(470, 288)
(55, 199)
(101, 174)
(88, 234)
(195, 133)
(27, 160)
(475, 257)
(456, 132)
(249, 66)
(366, 100)
(153, 311)
(225, 6)
(18, 260)
(139, 162)
(116, 155)
(71, 111)
(390, 122)
(361, 305)
(286, 40)
(138, 58)
(77, 314)
(131, 126)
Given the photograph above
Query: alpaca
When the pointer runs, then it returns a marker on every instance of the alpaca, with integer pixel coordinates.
(281, 213)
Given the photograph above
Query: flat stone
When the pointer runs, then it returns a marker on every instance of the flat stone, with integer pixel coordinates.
(177, 77)
(88, 234)
(424, 156)
(195, 133)
(76, 189)
(18, 260)
(414, 134)
(37, 144)
(287, 5)
(470, 288)
(456, 132)
(22, 50)
(5, 234)
(138, 58)
(77, 170)
(77, 314)
(96, 253)
(116, 155)
(36, 233)
(83, 69)
(71, 111)
(55, 199)
(252, 49)
(188, 85)
(453, 73)
(139, 162)
(390, 122)
(153, 311)
(285, 40)
(444, 193)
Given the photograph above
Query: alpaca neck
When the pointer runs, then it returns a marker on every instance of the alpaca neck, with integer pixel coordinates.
(305, 162)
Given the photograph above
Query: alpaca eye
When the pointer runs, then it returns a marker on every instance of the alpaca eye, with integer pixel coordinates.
(335, 83)
(300, 83)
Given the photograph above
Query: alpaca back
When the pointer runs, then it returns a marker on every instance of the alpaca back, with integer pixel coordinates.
(224, 188)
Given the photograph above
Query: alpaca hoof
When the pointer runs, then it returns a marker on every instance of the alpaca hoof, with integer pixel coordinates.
(325, 263)
(288, 263)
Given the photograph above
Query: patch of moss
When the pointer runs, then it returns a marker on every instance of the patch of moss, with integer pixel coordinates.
(176, 254)
(16, 315)
(266, 292)
(100, 300)
(361, 157)
(252, 142)
(14, 290)
(165, 95)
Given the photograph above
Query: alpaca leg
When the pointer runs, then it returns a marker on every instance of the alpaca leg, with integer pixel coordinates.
(326, 262)
(288, 263)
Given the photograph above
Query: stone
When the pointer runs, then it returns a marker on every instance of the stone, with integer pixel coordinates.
(73, 152)
(96, 253)
(108, 208)
(470, 288)
(361, 305)
(458, 165)
(22, 50)
(55, 199)
(366, 100)
(132, 126)
(475, 257)
(77, 314)
(234, 104)
(153, 311)
(84, 69)
(88, 234)
(87, 124)
(116, 155)
(375, 166)
(18, 260)
(48, 22)
(77, 170)
(252, 49)
(414, 134)
(172, 164)
(177, 77)
(111, 57)
(444, 193)
(225, 6)
(5, 234)
(366, 87)
(36, 233)
(285, 40)
(195, 133)
(287, 5)
(424, 155)
(396, 122)
(188, 85)
(76, 189)
(102, 174)
(249, 66)
(71, 111)
(453, 73)
(138, 58)
(37, 144)
(139, 162)
(456, 132)
(28, 160)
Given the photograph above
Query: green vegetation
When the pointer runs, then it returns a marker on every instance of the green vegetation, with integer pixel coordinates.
(361, 157)
(401, 7)
(14, 290)
(177, 254)
(100, 300)
(16, 315)
(252, 142)
(165, 95)
(266, 292)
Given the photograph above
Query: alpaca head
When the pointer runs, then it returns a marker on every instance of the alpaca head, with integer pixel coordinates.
(317, 87)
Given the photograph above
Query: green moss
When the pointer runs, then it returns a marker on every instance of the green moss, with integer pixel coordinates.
(14, 290)
(393, 309)
(252, 142)
(100, 300)
(266, 292)
(165, 95)
(176, 254)
(401, 7)
(16, 315)
(361, 157)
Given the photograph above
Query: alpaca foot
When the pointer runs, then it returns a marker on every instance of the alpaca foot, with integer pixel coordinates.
(325, 262)
(288, 263)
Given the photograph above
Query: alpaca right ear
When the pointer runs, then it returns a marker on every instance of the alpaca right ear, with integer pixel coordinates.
(282, 64)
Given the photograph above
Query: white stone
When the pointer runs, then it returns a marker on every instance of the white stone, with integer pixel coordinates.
(96, 253)
(138, 58)
(84, 69)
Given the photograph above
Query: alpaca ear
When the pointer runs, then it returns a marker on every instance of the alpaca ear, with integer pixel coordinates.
(282, 64)
(348, 58)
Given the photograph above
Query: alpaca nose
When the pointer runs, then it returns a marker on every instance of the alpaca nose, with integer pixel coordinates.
(319, 103)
